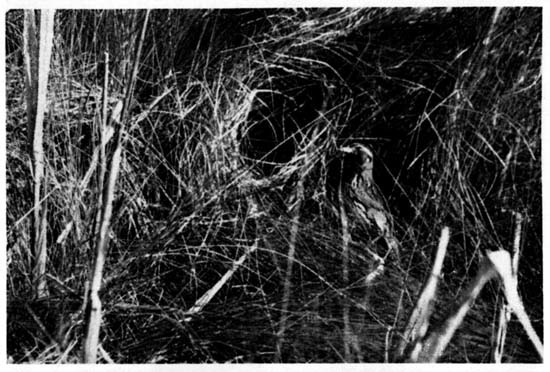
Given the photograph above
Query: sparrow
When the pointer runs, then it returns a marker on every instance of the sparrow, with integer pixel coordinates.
(368, 201)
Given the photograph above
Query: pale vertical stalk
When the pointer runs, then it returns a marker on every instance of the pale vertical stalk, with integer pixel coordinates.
(44, 56)
(495, 263)
(507, 268)
(37, 67)
(288, 275)
(503, 319)
(345, 277)
(417, 326)
(30, 48)
(103, 123)
(505, 310)
(93, 312)
(516, 246)
(102, 143)
(435, 343)
(512, 296)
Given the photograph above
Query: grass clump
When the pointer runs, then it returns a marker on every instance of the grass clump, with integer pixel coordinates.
(231, 140)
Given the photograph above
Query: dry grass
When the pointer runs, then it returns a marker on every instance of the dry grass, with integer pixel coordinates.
(232, 111)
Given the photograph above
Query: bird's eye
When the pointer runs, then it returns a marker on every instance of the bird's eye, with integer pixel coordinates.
(367, 156)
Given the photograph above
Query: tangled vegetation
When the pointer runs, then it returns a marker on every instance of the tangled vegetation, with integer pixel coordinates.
(232, 164)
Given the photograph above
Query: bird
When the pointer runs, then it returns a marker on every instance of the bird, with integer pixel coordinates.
(368, 203)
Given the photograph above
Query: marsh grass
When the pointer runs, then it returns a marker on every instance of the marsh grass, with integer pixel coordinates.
(232, 110)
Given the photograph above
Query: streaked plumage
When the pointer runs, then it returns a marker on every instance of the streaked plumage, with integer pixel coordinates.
(368, 203)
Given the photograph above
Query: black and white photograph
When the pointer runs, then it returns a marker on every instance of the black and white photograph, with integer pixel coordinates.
(273, 185)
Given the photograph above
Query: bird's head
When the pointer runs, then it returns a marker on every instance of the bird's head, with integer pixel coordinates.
(361, 154)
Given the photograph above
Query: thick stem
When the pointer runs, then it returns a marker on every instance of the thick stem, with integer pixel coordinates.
(435, 343)
(93, 313)
(37, 67)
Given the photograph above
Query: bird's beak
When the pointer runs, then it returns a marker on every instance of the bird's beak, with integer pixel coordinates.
(346, 150)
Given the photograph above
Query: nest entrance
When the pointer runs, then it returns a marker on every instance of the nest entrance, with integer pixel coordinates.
(283, 111)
